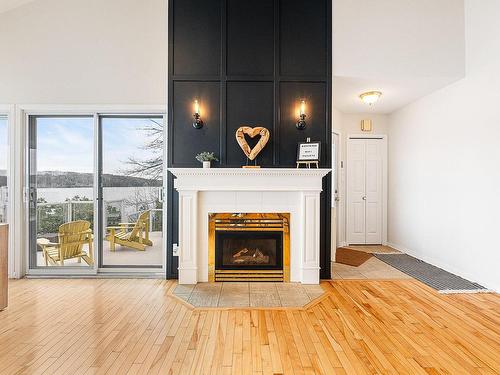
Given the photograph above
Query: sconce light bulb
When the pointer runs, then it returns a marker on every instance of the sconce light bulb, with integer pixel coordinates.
(303, 107)
(198, 122)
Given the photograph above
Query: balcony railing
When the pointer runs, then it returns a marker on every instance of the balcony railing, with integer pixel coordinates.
(51, 215)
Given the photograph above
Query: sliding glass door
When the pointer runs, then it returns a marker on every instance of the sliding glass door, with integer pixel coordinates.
(131, 181)
(61, 191)
(95, 193)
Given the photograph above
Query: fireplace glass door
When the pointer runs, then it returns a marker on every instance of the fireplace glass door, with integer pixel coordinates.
(249, 250)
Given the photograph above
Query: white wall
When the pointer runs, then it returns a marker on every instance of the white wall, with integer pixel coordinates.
(84, 52)
(92, 52)
(444, 162)
(350, 124)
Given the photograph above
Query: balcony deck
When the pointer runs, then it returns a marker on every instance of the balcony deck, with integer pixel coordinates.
(124, 256)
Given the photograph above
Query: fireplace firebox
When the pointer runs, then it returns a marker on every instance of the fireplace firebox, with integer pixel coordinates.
(247, 250)
(249, 247)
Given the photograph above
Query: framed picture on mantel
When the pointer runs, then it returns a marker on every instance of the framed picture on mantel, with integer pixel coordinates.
(308, 151)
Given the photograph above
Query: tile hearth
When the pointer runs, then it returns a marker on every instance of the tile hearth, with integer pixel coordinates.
(248, 294)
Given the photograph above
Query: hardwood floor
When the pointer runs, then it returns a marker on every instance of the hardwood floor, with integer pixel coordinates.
(135, 326)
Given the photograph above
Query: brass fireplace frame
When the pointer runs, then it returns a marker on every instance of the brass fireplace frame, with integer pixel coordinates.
(249, 222)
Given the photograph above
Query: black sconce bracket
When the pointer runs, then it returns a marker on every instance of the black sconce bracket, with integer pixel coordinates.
(198, 122)
(301, 124)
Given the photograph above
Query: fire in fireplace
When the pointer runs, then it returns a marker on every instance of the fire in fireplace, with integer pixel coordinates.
(249, 247)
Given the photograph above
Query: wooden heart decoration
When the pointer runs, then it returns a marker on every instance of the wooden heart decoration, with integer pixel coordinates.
(252, 153)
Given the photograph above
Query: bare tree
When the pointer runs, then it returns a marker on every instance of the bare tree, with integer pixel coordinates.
(152, 167)
(142, 200)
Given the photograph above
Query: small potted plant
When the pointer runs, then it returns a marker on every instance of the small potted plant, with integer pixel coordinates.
(206, 158)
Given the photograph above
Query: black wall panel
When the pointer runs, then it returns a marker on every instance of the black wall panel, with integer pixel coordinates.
(303, 41)
(315, 95)
(250, 37)
(196, 37)
(248, 63)
(186, 140)
(249, 104)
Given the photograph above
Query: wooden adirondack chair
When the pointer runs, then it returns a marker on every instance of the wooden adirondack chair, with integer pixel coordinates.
(137, 238)
(72, 237)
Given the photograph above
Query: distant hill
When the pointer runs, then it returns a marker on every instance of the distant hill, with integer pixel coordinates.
(77, 180)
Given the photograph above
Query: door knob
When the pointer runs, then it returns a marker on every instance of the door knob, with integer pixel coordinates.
(364, 198)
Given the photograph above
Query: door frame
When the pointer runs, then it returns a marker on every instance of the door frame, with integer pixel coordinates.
(20, 176)
(8, 111)
(384, 140)
(340, 206)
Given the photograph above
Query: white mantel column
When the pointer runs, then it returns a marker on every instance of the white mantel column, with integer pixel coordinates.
(188, 231)
(310, 237)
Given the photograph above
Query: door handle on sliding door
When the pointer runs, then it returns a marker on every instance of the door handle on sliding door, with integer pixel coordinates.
(161, 194)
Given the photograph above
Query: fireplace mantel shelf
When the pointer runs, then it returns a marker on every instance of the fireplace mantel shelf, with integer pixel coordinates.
(248, 179)
(320, 172)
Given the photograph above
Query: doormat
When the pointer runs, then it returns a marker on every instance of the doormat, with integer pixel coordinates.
(351, 257)
(374, 249)
(435, 277)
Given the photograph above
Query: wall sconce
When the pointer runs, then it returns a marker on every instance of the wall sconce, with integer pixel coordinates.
(198, 122)
(301, 124)
(366, 125)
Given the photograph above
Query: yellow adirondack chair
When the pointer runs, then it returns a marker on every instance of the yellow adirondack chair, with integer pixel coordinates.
(72, 237)
(137, 238)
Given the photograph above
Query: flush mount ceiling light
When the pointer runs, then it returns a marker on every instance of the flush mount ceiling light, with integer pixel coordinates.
(370, 97)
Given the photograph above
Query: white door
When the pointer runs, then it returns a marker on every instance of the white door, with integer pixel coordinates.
(364, 191)
(373, 191)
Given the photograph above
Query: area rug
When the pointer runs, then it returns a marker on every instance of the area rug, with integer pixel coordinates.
(435, 277)
(351, 257)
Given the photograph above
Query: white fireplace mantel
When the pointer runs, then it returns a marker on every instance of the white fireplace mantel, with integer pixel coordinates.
(263, 190)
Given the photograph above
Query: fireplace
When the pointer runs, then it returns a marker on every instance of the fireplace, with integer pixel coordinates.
(292, 194)
(249, 247)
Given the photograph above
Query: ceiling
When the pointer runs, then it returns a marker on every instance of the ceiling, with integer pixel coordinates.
(6, 5)
(396, 92)
(406, 49)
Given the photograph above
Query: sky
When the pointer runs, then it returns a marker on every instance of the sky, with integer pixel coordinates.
(3, 143)
(67, 143)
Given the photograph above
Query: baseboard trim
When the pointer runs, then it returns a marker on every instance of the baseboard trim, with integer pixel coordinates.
(100, 276)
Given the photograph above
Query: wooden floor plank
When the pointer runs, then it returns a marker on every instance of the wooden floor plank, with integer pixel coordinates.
(118, 326)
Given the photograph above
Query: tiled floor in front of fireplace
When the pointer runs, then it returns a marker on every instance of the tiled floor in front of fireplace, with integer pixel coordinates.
(248, 294)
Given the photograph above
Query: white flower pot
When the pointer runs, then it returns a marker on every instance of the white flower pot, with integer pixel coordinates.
(206, 164)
